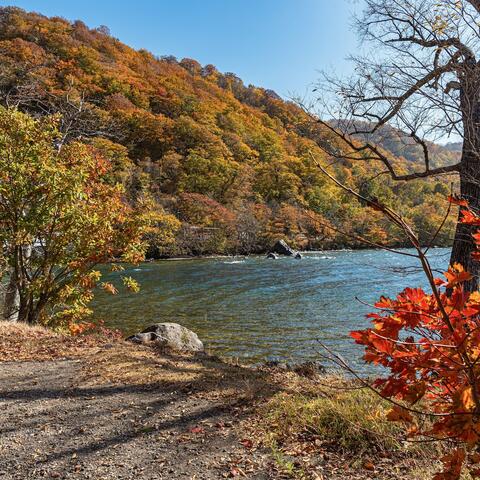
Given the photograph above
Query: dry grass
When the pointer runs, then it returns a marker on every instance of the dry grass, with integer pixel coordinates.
(22, 342)
(19, 328)
(211, 377)
(114, 361)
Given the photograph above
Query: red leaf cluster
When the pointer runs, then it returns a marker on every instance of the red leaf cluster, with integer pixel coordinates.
(430, 345)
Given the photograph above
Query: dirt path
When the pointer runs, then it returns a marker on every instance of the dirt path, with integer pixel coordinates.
(53, 424)
(97, 407)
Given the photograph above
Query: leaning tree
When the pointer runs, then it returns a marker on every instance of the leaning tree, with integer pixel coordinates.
(417, 71)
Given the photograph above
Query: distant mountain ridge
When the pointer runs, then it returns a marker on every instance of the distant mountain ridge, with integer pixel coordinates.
(401, 144)
(454, 146)
(235, 164)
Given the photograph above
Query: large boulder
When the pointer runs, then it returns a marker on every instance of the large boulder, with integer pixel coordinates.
(169, 335)
(281, 247)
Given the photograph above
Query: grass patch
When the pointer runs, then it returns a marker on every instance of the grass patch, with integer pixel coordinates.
(21, 328)
(353, 420)
(331, 429)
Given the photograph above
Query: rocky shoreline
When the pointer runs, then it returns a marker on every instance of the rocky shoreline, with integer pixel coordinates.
(264, 253)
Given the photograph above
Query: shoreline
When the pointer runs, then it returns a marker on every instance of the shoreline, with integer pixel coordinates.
(263, 255)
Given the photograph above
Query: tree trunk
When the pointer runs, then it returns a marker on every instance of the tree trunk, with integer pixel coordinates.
(17, 301)
(463, 244)
(11, 304)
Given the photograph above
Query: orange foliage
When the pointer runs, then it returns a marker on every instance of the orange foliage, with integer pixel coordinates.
(190, 129)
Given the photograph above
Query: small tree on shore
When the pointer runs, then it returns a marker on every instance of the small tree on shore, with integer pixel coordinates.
(59, 220)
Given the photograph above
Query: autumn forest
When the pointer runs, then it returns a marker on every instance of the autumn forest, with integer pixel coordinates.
(231, 167)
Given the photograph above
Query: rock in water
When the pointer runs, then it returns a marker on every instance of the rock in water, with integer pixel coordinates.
(298, 256)
(272, 256)
(170, 335)
(282, 248)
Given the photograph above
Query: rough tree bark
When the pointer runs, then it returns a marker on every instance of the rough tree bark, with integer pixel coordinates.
(463, 244)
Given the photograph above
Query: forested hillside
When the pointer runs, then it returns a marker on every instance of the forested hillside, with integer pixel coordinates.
(231, 166)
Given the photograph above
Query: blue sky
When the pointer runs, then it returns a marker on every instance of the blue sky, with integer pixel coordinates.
(277, 44)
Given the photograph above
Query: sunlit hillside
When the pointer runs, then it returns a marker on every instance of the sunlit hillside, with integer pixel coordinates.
(235, 164)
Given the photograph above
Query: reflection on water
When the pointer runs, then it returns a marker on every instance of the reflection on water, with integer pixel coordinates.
(265, 309)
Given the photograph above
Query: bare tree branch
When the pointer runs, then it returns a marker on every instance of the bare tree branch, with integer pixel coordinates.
(416, 80)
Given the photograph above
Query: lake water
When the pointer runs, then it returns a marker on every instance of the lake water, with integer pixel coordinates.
(259, 309)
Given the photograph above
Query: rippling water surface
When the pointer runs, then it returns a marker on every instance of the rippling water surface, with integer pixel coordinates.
(265, 309)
